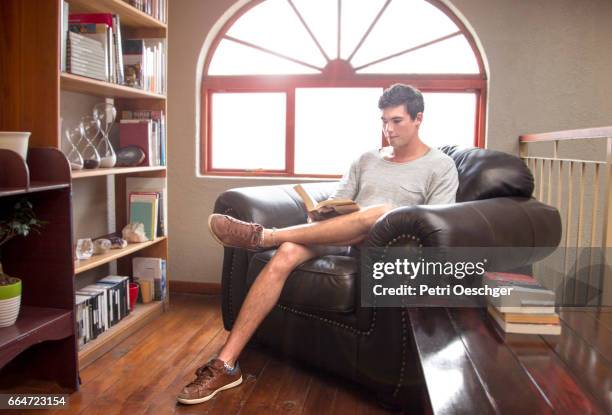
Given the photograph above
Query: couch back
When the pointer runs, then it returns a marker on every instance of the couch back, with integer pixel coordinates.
(485, 174)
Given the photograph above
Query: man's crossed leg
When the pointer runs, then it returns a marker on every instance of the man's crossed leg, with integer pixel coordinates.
(296, 244)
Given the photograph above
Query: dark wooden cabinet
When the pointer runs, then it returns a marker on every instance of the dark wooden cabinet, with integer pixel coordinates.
(44, 262)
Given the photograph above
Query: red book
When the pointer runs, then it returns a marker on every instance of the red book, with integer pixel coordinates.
(137, 134)
(105, 18)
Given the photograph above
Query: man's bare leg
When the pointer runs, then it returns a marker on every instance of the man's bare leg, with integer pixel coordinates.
(334, 231)
(262, 296)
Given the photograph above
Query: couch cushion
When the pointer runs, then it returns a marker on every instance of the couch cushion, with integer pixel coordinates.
(324, 284)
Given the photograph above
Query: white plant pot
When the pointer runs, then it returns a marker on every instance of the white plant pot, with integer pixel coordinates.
(10, 302)
(16, 141)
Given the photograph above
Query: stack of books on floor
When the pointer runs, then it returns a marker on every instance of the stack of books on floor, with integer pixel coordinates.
(529, 309)
(100, 306)
(145, 129)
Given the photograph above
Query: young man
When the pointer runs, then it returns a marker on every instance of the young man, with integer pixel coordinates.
(406, 173)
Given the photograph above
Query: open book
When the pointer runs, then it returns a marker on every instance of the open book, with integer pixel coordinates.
(325, 209)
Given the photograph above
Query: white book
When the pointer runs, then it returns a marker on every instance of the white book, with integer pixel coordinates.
(150, 269)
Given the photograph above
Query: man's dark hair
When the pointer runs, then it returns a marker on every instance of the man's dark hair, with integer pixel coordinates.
(401, 94)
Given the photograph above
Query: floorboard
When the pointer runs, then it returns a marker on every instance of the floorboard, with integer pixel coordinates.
(143, 374)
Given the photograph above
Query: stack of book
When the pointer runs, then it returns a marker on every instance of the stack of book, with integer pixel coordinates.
(86, 57)
(148, 204)
(154, 270)
(144, 61)
(145, 129)
(100, 306)
(155, 8)
(530, 308)
(105, 29)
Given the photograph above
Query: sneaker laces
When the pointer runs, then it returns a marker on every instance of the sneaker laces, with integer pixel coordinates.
(256, 237)
(203, 374)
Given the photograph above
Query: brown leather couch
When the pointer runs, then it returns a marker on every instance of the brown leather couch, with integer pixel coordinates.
(318, 318)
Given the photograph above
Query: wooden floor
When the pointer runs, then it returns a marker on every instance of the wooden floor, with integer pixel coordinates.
(143, 374)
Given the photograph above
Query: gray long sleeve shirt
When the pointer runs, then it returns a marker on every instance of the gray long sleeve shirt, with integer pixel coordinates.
(371, 180)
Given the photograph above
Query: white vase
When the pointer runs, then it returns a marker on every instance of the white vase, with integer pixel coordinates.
(16, 141)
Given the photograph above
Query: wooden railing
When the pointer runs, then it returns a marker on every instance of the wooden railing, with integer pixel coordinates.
(581, 189)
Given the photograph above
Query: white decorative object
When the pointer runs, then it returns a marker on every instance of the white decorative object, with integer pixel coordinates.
(84, 248)
(134, 232)
(16, 141)
(101, 246)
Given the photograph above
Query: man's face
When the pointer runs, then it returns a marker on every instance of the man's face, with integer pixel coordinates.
(399, 128)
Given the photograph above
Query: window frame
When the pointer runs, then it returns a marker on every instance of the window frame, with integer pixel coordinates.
(335, 75)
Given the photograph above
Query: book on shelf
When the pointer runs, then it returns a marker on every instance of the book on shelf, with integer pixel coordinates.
(144, 64)
(524, 328)
(158, 129)
(105, 28)
(527, 296)
(144, 208)
(120, 295)
(101, 306)
(154, 8)
(147, 133)
(152, 269)
(65, 11)
(151, 185)
(89, 57)
(327, 208)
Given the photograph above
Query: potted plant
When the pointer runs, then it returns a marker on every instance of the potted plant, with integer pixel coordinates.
(21, 222)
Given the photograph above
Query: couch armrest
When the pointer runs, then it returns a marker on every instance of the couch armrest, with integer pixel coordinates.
(495, 223)
(278, 206)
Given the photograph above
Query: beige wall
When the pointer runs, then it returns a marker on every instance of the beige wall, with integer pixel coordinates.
(549, 64)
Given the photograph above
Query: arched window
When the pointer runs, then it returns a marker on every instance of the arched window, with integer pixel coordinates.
(290, 87)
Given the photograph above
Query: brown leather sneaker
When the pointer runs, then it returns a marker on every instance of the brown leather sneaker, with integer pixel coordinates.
(235, 233)
(211, 378)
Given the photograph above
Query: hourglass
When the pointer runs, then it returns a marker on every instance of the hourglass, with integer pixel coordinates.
(89, 130)
(106, 114)
(73, 136)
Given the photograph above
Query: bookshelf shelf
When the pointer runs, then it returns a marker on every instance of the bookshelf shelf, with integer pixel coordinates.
(130, 16)
(117, 170)
(34, 325)
(142, 314)
(82, 84)
(114, 254)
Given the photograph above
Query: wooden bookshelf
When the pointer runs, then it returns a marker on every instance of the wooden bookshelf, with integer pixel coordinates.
(142, 315)
(81, 174)
(130, 16)
(32, 86)
(84, 85)
(113, 255)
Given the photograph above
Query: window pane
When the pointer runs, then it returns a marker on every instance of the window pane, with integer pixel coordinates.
(449, 118)
(321, 16)
(232, 58)
(333, 126)
(275, 26)
(453, 55)
(357, 16)
(404, 24)
(248, 131)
